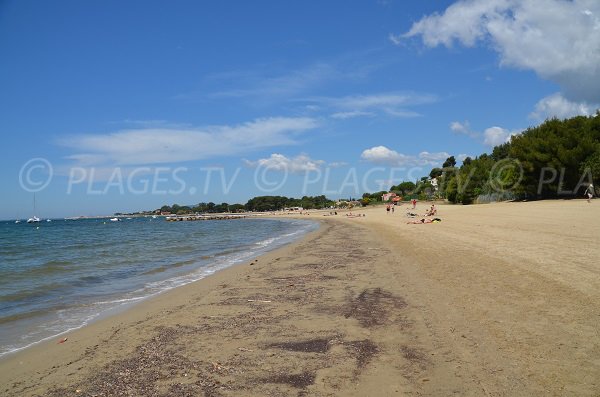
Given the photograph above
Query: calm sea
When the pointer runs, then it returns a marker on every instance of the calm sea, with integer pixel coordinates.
(60, 275)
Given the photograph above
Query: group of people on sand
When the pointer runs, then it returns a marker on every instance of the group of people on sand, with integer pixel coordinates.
(432, 211)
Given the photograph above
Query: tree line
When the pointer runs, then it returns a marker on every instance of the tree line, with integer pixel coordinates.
(558, 158)
(258, 204)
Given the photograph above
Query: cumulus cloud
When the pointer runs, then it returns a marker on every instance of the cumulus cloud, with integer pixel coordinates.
(558, 106)
(170, 145)
(385, 156)
(463, 128)
(495, 136)
(492, 136)
(559, 40)
(279, 162)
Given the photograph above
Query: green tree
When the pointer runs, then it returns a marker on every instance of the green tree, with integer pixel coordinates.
(404, 188)
(450, 162)
(436, 172)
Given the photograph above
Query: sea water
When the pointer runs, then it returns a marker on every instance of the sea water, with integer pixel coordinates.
(58, 276)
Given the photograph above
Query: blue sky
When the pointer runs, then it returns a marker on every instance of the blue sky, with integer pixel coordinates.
(121, 106)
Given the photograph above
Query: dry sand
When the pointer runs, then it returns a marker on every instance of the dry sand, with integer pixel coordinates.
(498, 300)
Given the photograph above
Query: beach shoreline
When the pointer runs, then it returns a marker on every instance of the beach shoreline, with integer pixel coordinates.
(110, 315)
(73, 279)
(496, 299)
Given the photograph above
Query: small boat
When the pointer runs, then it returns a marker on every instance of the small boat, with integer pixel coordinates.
(114, 220)
(34, 218)
(17, 221)
(154, 216)
(48, 220)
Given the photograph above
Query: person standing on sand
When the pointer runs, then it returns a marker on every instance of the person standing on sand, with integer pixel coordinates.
(388, 209)
(589, 192)
(414, 203)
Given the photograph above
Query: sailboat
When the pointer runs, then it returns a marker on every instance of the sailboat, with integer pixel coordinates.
(33, 219)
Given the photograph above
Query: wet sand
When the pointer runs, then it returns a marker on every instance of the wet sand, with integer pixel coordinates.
(498, 300)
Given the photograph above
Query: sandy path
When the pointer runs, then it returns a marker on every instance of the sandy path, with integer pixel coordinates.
(498, 300)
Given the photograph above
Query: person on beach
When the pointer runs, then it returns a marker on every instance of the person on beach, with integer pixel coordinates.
(388, 209)
(432, 211)
(414, 203)
(589, 192)
(423, 220)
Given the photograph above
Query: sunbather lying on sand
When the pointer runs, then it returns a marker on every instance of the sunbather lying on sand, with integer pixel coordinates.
(423, 220)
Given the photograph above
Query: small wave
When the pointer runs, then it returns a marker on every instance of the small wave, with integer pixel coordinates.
(266, 242)
(22, 316)
(118, 301)
(46, 269)
(164, 268)
(39, 292)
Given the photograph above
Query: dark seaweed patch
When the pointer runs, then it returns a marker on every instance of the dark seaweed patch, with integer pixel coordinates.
(299, 381)
(309, 346)
(372, 307)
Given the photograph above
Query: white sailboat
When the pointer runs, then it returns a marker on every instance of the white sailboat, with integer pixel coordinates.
(34, 218)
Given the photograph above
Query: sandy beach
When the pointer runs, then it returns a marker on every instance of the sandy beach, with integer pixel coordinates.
(496, 300)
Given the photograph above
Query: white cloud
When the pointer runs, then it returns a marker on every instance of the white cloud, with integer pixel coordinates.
(350, 115)
(495, 136)
(395, 39)
(559, 40)
(284, 85)
(386, 156)
(168, 145)
(463, 128)
(492, 136)
(401, 113)
(279, 162)
(558, 106)
(383, 155)
(433, 158)
(383, 100)
(393, 104)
